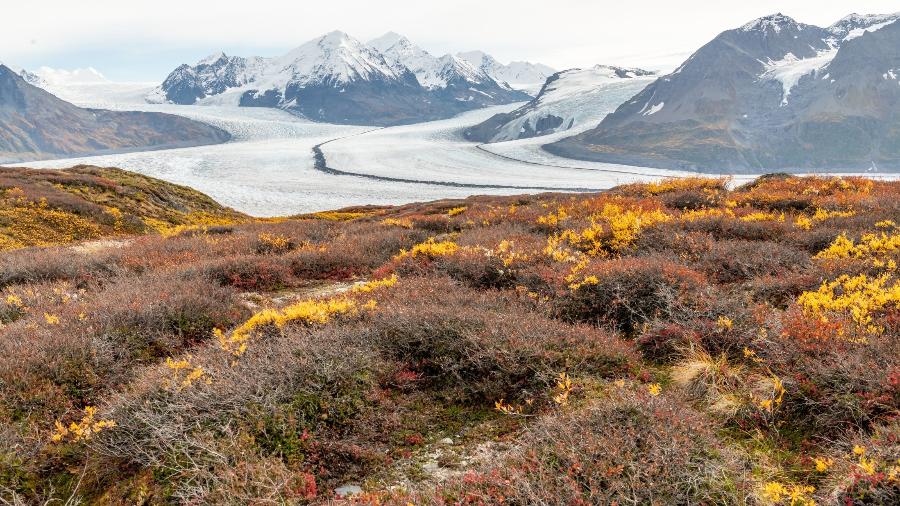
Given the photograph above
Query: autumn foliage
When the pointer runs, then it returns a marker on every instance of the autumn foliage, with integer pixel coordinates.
(679, 342)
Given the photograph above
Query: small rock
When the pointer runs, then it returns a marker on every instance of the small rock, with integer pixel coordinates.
(430, 467)
(348, 490)
(446, 441)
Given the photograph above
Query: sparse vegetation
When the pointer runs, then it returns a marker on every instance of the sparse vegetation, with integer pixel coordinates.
(670, 343)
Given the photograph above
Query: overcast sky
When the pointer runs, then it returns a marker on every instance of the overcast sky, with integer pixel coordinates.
(142, 41)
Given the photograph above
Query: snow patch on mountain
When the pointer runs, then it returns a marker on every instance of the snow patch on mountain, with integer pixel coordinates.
(790, 69)
(856, 25)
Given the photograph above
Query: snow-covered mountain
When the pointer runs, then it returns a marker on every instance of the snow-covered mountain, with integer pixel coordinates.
(773, 94)
(855, 25)
(450, 76)
(568, 99)
(525, 76)
(338, 79)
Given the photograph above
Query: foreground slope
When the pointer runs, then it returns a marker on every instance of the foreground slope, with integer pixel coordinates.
(35, 124)
(773, 94)
(52, 207)
(625, 347)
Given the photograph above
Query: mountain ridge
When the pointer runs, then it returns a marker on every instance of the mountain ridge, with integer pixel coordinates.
(336, 78)
(761, 97)
(35, 124)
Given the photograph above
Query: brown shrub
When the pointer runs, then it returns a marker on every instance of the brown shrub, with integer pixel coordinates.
(834, 385)
(36, 265)
(163, 314)
(296, 403)
(476, 345)
(737, 261)
(250, 272)
(848, 483)
(723, 228)
(629, 292)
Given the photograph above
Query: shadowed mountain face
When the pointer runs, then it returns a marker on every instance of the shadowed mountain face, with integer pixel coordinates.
(772, 95)
(35, 124)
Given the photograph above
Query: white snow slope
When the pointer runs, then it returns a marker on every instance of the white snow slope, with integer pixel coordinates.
(581, 97)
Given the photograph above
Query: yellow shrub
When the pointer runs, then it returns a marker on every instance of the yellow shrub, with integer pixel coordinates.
(430, 248)
(858, 296)
(83, 430)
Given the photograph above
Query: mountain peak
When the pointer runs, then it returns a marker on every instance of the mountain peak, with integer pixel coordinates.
(213, 58)
(773, 22)
(389, 40)
(855, 25)
(338, 38)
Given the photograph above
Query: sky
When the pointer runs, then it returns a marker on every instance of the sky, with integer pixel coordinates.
(135, 40)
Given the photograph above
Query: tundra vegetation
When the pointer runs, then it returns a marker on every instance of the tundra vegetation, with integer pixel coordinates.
(681, 342)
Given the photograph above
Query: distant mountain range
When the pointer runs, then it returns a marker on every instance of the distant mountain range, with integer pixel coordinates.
(338, 79)
(567, 99)
(35, 124)
(773, 94)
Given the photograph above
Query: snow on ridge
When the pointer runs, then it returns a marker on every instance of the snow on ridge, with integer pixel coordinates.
(576, 82)
(790, 69)
(526, 76)
(856, 25)
(859, 32)
(773, 22)
(430, 71)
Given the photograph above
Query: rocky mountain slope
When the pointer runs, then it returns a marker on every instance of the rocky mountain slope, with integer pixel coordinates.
(338, 79)
(35, 124)
(773, 94)
(567, 99)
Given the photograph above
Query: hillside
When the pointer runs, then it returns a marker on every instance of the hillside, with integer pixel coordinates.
(772, 95)
(670, 343)
(54, 207)
(37, 125)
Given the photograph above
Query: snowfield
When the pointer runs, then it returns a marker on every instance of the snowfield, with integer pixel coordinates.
(269, 168)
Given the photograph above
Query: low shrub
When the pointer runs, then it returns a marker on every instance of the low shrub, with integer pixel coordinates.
(628, 448)
(478, 346)
(54, 264)
(629, 292)
(737, 261)
(249, 272)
